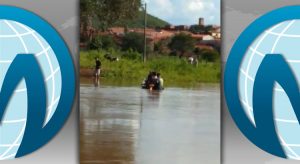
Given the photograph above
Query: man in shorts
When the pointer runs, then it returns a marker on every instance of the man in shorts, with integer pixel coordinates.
(97, 68)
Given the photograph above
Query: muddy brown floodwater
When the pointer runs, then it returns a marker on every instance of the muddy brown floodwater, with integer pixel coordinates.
(120, 125)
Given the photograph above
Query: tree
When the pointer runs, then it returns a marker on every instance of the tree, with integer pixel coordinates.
(182, 43)
(161, 46)
(106, 12)
(210, 55)
(134, 41)
(87, 11)
(132, 55)
(196, 29)
(198, 53)
(102, 42)
(208, 28)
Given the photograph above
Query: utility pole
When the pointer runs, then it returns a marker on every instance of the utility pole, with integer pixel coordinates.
(145, 36)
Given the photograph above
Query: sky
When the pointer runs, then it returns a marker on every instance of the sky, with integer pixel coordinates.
(185, 12)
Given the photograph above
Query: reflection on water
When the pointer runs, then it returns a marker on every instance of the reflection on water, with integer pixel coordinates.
(129, 125)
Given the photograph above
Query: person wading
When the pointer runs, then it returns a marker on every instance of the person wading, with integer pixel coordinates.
(97, 70)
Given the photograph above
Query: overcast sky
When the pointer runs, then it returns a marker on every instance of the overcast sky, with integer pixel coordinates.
(185, 11)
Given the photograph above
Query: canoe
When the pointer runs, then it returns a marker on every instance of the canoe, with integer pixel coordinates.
(150, 87)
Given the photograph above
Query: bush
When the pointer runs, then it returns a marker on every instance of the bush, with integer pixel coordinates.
(134, 41)
(132, 55)
(161, 46)
(210, 55)
(196, 29)
(182, 43)
(95, 44)
(102, 42)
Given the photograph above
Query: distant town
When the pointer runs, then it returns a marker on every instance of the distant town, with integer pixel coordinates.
(206, 36)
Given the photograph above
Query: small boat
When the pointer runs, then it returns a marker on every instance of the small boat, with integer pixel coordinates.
(151, 86)
(153, 82)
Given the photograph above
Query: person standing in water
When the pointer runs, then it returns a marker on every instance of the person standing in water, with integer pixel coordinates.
(97, 70)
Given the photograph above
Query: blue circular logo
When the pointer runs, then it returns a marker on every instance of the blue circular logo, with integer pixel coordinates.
(37, 82)
(261, 82)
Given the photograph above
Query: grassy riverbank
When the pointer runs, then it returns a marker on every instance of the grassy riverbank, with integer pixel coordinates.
(174, 70)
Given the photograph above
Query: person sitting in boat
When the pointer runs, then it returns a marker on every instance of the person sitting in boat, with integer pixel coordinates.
(155, 77)
(152, 81)
(161, 81)
(149, 79)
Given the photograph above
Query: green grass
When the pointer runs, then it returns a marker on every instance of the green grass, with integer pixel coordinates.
(175, 71)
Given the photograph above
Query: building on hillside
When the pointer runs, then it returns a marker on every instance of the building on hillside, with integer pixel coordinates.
(117, 31)
(181, 27)
(207, 37)
(201, 22)
(201, 37)
(216, 44)
(204, 46)
(152, 34)
(170, 27)
(216, 32)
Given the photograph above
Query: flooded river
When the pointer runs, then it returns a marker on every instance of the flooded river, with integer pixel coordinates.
(120, 125)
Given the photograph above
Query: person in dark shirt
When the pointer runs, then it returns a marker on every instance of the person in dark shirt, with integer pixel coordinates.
(97, 68)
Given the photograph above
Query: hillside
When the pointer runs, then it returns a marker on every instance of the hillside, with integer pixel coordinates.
(152, 22)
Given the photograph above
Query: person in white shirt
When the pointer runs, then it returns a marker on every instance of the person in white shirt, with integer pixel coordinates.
(160, 81)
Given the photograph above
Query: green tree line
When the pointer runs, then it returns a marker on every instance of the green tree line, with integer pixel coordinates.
(133, 45)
